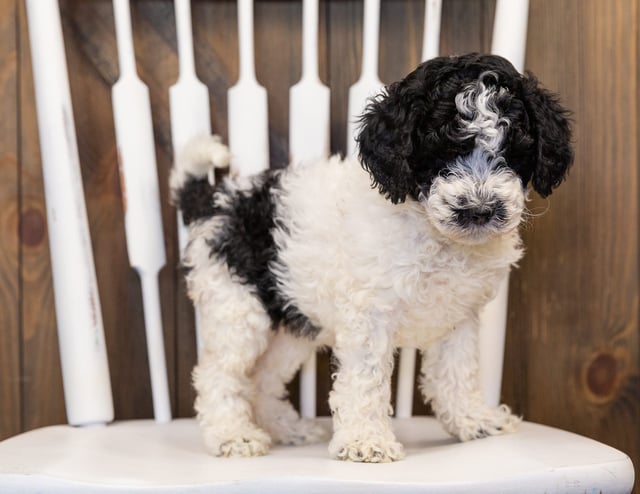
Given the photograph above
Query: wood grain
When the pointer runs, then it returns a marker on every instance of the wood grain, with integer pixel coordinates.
(10, 405)
(572, 353)
(573, 340)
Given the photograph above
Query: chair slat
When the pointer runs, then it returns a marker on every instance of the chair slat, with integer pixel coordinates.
(85, 370)
(432, 23)
(309, 99)
(143, 213)
(491, 338)
(309, 387)
(406, 382)
(510, 31)
(247, 105)
(369, 84)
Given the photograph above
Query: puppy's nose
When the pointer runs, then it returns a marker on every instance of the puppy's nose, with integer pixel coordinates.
(475, 216)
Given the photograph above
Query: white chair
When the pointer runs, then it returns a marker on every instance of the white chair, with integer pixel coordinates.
(168, 456)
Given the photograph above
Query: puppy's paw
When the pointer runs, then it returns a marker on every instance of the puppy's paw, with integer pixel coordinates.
(484, 421)
(367, 451)
(298, 432)
(250, 441)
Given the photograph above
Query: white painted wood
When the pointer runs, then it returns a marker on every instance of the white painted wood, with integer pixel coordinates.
(141, 456)
(431, 34)
(309, 99)
(406, 382)
(510, 31)
(85, 370)
(509, 40)
(247, 105)
(491, 338)
(143, 214)
(369, 84)
(309, 387)
(189, 110)
(407, 361)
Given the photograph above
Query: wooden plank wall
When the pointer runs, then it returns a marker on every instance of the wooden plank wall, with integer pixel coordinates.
(572, 357)
(10, 348)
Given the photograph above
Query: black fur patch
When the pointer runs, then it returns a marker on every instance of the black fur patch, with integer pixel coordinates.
(246, 243)
(196, 199)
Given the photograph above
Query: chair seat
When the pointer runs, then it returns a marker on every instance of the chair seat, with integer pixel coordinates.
(142, 456)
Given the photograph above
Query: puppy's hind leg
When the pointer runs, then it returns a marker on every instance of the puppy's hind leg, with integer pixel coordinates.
(274, 411)
(236, 331)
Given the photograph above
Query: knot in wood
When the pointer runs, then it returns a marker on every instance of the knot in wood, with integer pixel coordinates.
(602, 376)
(32, 227)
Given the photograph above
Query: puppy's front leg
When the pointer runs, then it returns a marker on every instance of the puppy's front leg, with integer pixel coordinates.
(450, 381)
(360, 399)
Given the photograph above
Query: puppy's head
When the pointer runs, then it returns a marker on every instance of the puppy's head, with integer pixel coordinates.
(466, 136)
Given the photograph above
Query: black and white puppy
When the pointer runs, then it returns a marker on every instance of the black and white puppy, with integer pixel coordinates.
(404, 252)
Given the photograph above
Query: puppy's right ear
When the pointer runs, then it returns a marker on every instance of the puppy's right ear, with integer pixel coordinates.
(553, 136)
(385, 141)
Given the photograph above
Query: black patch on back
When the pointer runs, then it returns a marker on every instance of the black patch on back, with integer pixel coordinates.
(195, 199)
(246, 244)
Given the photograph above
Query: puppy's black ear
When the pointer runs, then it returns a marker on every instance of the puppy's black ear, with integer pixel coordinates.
(553, 129)
(385, 141)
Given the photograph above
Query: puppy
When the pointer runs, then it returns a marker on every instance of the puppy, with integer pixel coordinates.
(401, 247)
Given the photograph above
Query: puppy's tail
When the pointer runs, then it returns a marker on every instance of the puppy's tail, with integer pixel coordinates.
(191, 177)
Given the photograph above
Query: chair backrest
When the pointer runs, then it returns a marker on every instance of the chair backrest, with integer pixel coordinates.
(81, 337)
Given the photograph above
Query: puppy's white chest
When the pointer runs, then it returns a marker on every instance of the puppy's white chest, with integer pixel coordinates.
(450, 287)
